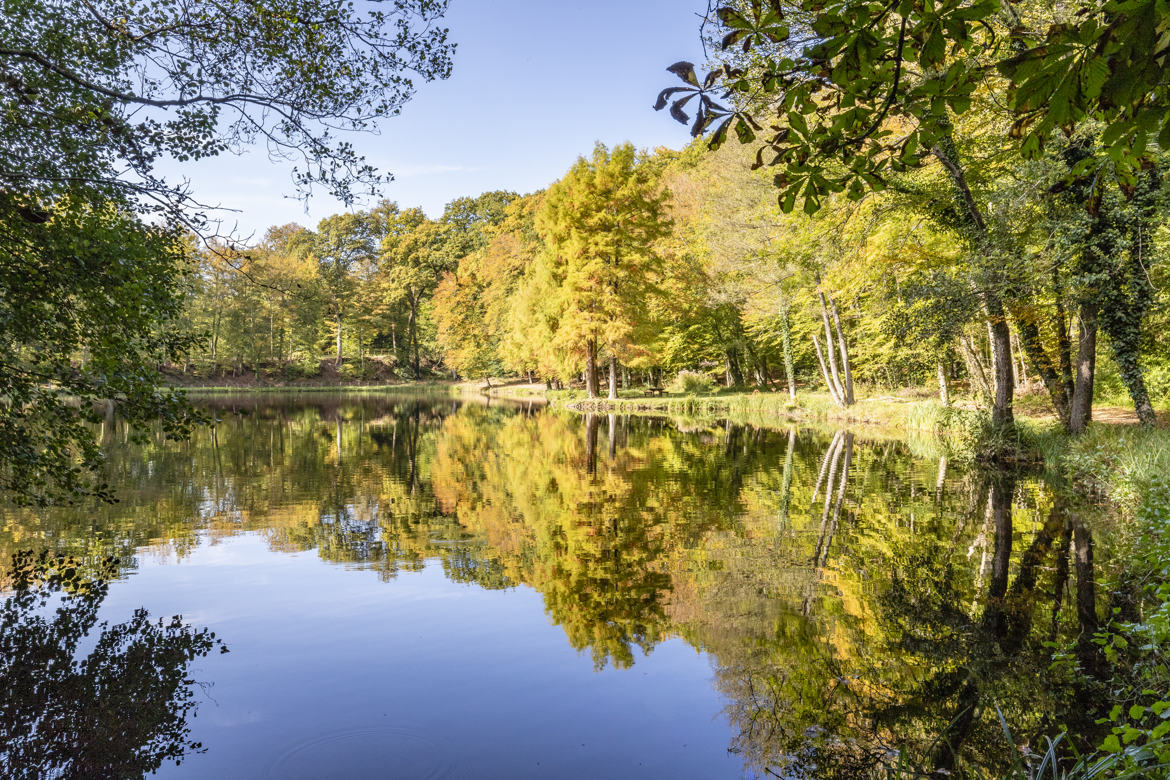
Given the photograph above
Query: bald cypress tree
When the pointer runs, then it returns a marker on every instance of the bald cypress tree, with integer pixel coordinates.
(600, 223)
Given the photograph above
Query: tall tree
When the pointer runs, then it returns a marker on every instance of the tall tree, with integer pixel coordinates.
(343, 242)
(600, 222)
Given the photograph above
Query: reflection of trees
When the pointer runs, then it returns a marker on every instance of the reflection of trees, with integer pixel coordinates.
(118, 712)
(597, 536)
(854, 598)
(866, 629)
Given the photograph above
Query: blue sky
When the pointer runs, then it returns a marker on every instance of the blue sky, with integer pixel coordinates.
(535, 83)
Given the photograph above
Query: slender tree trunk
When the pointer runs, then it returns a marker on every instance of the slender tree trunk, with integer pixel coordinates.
(613, 378)
(338, 361)
(1001, 412)
(831, 357)
(944, 392)
(1063, 341)
(412, 344)
(845, 367)
(837, 399)
(1081, 406)
(591, 369)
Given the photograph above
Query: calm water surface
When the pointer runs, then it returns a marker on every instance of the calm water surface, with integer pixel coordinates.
(414, 588)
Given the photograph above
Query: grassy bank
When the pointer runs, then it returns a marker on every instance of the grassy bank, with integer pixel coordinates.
(403, 388)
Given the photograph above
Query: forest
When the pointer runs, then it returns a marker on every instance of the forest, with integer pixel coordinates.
(641, 268)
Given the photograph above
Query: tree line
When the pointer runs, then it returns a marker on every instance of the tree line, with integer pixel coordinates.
(636, 265)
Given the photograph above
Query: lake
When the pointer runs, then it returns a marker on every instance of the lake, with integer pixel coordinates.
(412, 587)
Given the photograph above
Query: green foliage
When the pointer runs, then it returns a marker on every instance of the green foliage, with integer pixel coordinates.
(89, 302)
(691, 383)
(600, 223)
(858, 92)
(93, 96)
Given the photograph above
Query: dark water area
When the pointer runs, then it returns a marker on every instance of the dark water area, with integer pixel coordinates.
(423, 588)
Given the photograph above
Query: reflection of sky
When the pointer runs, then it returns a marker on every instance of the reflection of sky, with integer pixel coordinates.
(535, 83)
(334, 673)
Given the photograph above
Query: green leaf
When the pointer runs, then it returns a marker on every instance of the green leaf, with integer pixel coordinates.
(685, 71)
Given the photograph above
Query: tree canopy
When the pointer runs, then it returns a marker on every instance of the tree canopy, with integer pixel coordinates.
(96, 245)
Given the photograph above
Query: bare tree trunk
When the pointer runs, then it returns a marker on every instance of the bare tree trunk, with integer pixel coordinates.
(831, 356)
(944, 392)
(837, 399)
(591, 369)
(1081, 407)
(845, 367)
(613, 377)
(338, 361)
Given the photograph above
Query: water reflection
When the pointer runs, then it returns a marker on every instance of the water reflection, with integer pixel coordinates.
(80, 699)
(853, 596)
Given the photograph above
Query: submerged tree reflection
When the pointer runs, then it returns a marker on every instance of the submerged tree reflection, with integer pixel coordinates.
(117, 710)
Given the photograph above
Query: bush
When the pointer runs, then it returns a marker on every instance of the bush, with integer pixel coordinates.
(691, 383)
(301, 368)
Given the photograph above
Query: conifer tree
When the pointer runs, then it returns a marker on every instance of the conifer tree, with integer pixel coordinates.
(600, 223)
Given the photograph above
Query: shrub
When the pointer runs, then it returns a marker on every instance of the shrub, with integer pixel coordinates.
(301, 368)
(691, 383)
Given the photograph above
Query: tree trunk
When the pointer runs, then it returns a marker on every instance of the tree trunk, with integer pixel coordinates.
(845, 367)
(831, 356)
(1081, 406)
(413, 336)
(613, 378)
(1132, 375)
(338, 361)
(1063, 342)
(1033, 347)
(837, 399)
(944, 393)
(786, 342)
(1001, 412)
(1001, 343)
(591, 369)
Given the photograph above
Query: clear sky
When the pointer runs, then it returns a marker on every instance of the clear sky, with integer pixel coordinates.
(535, 83)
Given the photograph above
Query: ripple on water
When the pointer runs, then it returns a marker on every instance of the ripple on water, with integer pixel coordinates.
(371, 752)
